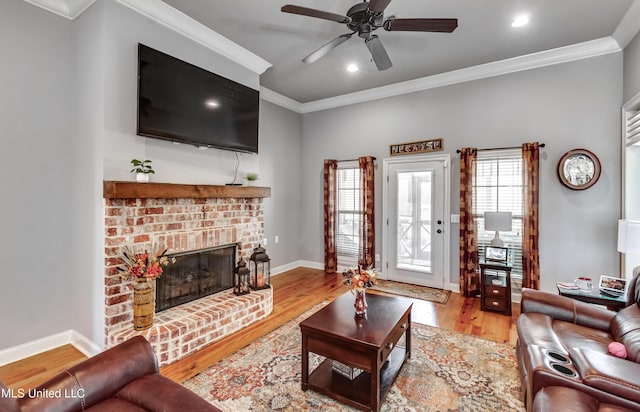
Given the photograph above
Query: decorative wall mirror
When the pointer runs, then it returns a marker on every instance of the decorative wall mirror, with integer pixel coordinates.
(579, 169)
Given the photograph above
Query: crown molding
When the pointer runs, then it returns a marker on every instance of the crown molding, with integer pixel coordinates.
(175, 20)
(69, 9)
(190, 28)
(559, 55)
(181, 23)
(629, 25)
(280, 99)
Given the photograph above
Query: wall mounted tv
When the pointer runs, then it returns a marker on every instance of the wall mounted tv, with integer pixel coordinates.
(180, 102)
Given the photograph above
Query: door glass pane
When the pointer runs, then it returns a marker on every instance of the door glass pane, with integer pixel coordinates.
(414, 221)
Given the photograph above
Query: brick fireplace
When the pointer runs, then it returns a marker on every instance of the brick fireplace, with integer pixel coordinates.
(182, 218)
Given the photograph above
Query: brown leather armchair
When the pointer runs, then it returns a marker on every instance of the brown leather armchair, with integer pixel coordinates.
(563, 342)
(123, 378)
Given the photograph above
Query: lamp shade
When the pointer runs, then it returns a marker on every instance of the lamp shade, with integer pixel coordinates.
(498, 221)
(629, 237)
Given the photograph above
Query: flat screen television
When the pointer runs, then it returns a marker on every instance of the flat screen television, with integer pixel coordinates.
(180, 102)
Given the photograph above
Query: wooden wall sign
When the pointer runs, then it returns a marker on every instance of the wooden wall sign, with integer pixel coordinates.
(425, 146)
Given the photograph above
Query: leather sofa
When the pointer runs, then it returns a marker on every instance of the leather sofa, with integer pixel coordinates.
(563, 342)
(123, 378)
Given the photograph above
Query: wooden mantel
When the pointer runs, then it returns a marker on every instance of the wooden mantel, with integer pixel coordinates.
(133, 190)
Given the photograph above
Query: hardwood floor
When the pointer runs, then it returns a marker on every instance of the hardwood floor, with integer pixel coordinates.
(294, 292)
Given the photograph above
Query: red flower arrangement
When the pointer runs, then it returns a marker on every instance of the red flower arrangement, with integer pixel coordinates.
(145, 264)
(359, 279)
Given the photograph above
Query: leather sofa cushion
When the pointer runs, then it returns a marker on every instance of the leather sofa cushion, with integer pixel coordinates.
(607, 373)
(625, 328)
(560, 398)
(158, 393)
(537, 329)
(115, 404)
(7, 403)
(545, 332)
(576, 336)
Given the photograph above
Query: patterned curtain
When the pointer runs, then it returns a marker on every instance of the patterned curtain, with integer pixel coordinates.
(367, 247)
(330, 214)
(531, 188)
(469, 278)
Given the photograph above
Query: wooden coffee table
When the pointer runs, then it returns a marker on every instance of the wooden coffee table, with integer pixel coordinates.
(367, 343)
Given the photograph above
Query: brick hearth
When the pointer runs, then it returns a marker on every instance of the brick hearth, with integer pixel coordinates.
(181, 225)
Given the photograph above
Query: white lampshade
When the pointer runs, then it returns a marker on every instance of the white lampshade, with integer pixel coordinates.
(629, 237)
(498, 221)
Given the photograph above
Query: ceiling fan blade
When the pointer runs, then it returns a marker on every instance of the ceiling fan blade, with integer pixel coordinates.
(305, 11)
(432, 25)
(322, 51)
(378, 6)
(378, 52)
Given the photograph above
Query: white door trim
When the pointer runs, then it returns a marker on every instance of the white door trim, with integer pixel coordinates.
(446, 159)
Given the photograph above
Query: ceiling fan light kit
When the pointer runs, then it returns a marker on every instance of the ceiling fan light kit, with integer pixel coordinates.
(364, 18)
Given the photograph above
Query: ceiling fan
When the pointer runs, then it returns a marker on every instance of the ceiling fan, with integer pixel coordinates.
(364, 18)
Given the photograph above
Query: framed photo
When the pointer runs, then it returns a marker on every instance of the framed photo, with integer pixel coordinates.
(579, 169)
(613, 285)
(496, 254)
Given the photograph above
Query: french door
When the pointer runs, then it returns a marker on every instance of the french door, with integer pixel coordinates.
(416, 221)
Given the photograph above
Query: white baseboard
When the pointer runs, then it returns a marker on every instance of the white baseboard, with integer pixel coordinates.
(311, 264)
(84, 344)
(290, 266)
(454, 287)
(25, 350)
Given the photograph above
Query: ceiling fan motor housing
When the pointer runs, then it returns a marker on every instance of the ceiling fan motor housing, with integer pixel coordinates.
(363, 20)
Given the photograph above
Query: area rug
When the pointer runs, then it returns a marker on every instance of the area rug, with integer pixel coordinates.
(448, 371)
(413, 291)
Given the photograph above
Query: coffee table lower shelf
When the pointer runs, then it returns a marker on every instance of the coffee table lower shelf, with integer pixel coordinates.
(356, 392)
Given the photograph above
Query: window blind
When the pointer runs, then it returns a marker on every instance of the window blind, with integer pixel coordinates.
(498, 188)
(349, 214)
(633, 126)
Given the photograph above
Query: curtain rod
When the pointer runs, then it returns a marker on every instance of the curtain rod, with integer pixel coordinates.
(352, 160)
(502, 148)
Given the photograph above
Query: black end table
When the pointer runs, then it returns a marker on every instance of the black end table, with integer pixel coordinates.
(495, 290)
(594, 296)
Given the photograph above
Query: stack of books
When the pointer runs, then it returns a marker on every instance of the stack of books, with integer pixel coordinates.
(346, 370)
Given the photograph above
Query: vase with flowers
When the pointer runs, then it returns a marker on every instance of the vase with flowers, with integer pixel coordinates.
(358, 280)
(143, 268)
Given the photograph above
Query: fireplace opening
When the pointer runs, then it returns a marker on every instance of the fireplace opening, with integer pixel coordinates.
(194, 275)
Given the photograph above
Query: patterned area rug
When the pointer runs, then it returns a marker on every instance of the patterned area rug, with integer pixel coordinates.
(448, 371)
(413, 291)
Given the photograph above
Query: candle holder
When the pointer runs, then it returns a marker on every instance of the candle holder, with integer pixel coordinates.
(241, 278)
(260, 267)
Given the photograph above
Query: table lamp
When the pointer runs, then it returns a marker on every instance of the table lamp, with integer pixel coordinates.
(629, 238)
(498, 221)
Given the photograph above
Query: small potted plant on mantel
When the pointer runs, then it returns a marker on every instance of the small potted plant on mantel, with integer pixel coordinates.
(251, 178)
(142, 169)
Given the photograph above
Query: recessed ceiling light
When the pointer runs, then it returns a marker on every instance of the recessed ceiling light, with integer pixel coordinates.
(520, 21)
(212, 104)
(352, 68)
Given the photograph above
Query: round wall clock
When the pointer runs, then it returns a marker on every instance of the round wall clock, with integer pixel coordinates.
(579, 169)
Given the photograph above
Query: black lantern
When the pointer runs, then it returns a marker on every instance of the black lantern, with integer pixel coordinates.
(241, 278)
(260, 269)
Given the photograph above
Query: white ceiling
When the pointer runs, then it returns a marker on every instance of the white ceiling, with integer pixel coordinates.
(559, 30)
(484, 35)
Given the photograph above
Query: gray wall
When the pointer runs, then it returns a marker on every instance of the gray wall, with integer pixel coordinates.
(279, 131)
(565, 106)
(124, 29)
(68, 122)
(42, 291)
(280, 165)
(632, 68)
